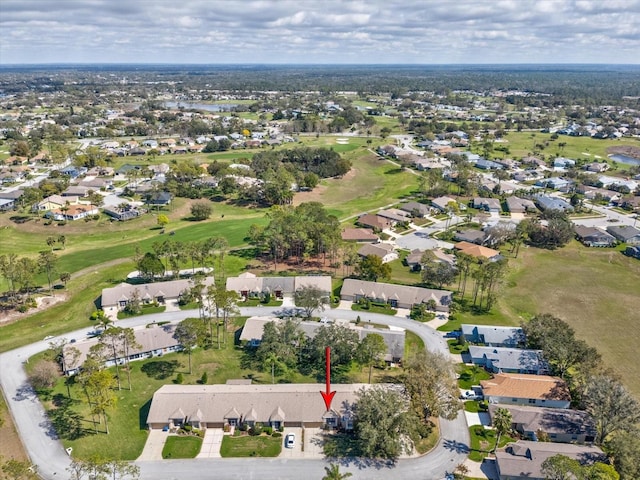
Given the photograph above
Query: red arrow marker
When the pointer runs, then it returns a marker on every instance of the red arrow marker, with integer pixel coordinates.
(328, 395)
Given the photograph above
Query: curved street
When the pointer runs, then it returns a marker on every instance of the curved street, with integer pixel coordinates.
(47, 453)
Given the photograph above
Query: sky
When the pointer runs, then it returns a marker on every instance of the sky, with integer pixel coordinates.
(319, 31)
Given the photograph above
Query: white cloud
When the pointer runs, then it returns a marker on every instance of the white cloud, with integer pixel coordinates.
(330, 31)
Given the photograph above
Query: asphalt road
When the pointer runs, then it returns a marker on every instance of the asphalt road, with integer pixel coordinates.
(47, 452)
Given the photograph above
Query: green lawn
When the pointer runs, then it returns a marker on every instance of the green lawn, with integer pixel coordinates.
(386, 310)
(482, 442)
(521, 144)
(181, 447)
(456, 348)
(248, 446)
(471, 375)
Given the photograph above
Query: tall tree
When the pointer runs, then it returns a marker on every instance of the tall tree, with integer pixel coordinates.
(100, 386)
(372, 268)
(382, 423)
(187, 333)
(611, 406)
(371, 350)
(559, 345)
(502, 420)
(624, 448)
(47, 265)
(430, 382)
(310, 298)
(129, 342)
(111, 339)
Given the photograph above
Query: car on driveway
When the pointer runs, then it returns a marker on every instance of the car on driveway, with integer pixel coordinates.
(290, 440)
(470, 395)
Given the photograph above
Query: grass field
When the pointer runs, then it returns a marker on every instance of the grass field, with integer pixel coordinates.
(181, 447)
(596, 291)
(247, 446)
(521, 144)
(372, 183)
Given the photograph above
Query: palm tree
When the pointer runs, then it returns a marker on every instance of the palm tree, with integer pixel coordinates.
(502, 423)
(333, 473)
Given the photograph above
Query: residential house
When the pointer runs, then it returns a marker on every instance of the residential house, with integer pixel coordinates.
(122, 214)
(394, 215)
(275, 405)
(470, 236)
(508, 360)
(595, 193)
(253, 331)
(596, 167)
(545, 202)
(385, 251)
(248, 285)
(151, 341)
(631, 203)
(359, 235)
(478, 251)
(562, 164)
(397, 296)
(9, 200)
(54, 201)
(523, 459)
(555, 183)
(520, 205)
(443, 203)
(158, 199)
(440, 256)
(594, 237)
(374, 221)
(76, 191)
(72, 212)
(493, 336)
(72, 171)
(608, 182)
(487, 204)
(526, 389)
(388, 151)
(625, 233)
(561, 425)
(117, 298)
(485, 164)
(415, 209)
(414, 260)
(424, 163)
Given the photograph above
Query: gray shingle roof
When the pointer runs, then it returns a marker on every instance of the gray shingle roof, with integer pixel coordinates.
(124, 291)
(295, 402)
(509, 358)
(549, 420)
(523, 459)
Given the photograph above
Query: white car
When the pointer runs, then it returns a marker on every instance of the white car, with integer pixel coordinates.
(290, 440)
(470, 395)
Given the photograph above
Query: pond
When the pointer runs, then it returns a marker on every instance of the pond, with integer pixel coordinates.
(625, 159)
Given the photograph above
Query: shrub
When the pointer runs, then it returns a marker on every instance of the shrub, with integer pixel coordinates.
(267, 430)
(179, 378)
(276, 434)
(204, 378)
(243, 428)
(281, 429)
(266, 298)
(187, 428)
(255, 431)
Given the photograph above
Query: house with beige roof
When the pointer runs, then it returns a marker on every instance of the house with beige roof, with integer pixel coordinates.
(385, 251)
(394, 339)
(359, 235)
(555, 424)
(249, 285)
(523, 459)
(478, 251)
(275, 405)
(152, 342)
(397, 296)
(117, 298)
(526, 389)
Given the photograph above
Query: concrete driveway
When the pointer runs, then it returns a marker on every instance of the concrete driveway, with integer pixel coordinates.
(153, 446)
(211, 443)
